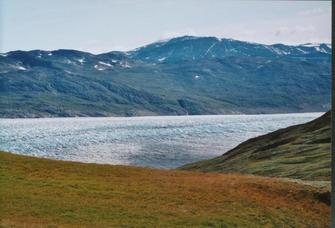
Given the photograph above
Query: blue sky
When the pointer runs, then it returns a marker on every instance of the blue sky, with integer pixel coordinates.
(105, 25)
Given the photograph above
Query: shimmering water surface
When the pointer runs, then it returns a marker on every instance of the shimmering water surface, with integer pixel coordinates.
(164, 142)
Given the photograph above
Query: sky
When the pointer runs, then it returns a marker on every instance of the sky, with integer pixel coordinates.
(99, 26)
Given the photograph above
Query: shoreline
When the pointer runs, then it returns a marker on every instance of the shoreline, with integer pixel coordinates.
(160, 116)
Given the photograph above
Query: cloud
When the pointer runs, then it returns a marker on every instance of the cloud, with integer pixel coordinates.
(311, 12)
(294, 30)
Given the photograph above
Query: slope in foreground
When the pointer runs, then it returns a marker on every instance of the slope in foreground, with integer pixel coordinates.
(44, 193)
(301, 152)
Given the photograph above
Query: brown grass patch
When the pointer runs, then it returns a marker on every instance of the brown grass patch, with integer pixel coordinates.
(40, 192)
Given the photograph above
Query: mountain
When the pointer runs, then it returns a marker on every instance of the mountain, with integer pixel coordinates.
(194, 48)
(301, 152)
(181, 76)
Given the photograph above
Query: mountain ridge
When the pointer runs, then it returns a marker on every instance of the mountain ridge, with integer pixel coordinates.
(184, 75)
(311, 44)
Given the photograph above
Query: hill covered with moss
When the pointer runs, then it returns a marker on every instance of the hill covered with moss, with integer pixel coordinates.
(300, 152)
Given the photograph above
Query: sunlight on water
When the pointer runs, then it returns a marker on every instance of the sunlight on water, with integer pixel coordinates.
(164, 142)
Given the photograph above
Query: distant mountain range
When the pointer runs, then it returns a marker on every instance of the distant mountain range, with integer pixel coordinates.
(182, 76)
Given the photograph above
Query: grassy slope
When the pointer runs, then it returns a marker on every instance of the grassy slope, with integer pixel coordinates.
(44, 192)
(301, 152)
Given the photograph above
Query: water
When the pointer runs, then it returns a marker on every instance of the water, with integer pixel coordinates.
(163, 142)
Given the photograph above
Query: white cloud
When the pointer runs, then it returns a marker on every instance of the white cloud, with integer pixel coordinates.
(311, 12)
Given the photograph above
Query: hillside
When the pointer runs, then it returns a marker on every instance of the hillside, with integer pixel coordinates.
(185, 75)
(301, 151)
(45, 193)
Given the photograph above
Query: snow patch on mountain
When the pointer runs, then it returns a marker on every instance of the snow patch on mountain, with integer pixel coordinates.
(161, 59)
(311, 45)
(210, 47)
(81, 61)
(321, 49)
(277, 50)
(69, 72)
(105, 64)
(125, 64)
(304, 52)
(20, 67)
(97, 67)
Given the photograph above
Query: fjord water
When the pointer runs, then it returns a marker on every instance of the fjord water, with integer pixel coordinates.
(162, 142)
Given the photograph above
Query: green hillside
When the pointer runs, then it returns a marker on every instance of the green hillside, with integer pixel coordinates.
(301, 152)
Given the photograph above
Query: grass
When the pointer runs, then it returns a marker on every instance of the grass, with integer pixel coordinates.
(39, 192)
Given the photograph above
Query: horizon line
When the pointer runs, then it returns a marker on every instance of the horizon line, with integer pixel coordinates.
(167, 40)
